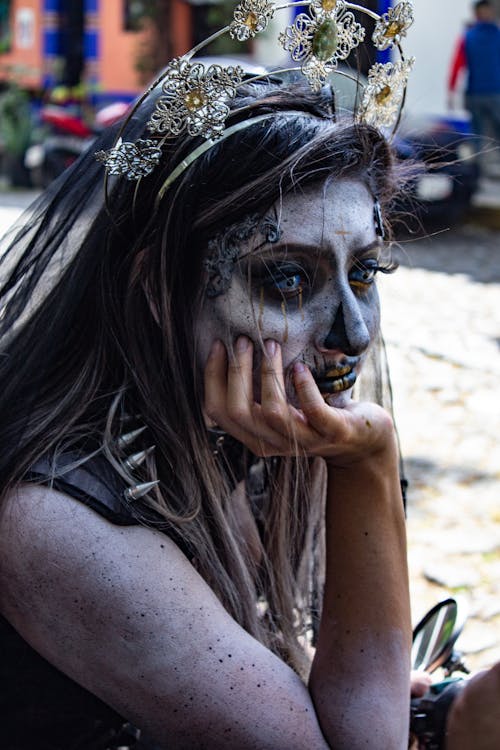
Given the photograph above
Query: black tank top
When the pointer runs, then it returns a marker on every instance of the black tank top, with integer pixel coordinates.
(40, 707)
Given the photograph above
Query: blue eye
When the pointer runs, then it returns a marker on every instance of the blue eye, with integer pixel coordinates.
(289, 284)
(285, 282)
(363, 273)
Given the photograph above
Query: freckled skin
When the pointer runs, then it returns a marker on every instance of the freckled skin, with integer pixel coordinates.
(124, 613)
(333, 318)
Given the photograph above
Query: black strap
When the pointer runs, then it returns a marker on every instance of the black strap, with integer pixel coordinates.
(94, 483)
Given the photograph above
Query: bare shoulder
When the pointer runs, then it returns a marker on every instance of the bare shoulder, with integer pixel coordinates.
(124, 613)
(47, 535)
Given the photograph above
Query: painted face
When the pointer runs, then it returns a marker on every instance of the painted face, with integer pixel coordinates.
(309, 286)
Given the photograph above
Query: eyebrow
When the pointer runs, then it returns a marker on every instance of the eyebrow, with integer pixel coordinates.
(285, 249)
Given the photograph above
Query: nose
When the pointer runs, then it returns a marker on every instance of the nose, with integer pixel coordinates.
(349, 333)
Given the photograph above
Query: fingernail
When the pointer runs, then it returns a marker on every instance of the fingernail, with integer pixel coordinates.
(299, 368)
(271, 347)
(216, 348)
(242, 344)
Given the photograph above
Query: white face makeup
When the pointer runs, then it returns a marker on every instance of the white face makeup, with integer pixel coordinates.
(312, 290)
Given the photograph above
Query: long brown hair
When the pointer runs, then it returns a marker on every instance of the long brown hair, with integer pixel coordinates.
(83, 351)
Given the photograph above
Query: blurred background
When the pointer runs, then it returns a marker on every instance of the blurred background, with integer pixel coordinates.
(68, 68)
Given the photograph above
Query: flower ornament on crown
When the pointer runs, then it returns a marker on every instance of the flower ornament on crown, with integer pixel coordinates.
(393, 25)
(251, 17)
(196, 98)
(384, 94)
(321, 39)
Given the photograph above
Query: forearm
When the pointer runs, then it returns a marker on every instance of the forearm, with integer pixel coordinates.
(360, 675)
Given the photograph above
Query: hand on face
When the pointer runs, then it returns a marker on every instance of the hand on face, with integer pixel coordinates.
(274, 427)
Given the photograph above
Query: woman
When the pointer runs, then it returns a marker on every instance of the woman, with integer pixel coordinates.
(190, 495)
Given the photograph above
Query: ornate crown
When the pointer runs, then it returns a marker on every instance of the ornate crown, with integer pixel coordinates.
(195, 96)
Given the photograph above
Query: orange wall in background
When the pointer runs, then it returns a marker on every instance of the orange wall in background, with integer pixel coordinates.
(24, 63)
(119, 49)
(114, 68)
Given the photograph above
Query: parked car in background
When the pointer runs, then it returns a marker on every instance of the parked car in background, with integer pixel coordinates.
(447, 174)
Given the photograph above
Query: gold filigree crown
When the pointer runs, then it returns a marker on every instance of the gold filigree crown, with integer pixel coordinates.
(195, 95)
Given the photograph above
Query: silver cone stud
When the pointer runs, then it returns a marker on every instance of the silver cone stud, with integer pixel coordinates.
(125, 440)
(139, 490)
(136, 459)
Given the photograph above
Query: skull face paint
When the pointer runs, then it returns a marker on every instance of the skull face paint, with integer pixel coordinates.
(312, 290)
(224, 249)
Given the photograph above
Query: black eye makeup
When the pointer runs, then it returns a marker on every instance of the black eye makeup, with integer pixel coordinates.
(364, 269)
(282, 280)
(295, 277)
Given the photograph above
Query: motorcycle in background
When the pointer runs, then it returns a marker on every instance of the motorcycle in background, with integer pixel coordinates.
(433, 646)
(66, 136)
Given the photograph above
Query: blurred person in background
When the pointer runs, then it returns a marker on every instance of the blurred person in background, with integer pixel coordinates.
(478, 55)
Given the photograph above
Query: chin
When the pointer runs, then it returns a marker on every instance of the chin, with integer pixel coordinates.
(338, 400)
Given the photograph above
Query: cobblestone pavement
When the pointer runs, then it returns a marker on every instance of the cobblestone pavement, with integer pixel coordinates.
(441, 318)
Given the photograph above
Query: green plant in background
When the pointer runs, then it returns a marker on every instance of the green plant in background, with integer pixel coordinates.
(15, 133)
(15, 120)
(5, 33)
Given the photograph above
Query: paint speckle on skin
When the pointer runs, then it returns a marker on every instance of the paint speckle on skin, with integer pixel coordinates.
(312, 218)
(368, 423)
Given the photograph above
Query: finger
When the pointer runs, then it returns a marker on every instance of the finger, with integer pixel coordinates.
(240, 381)
(321, 417)
(420, 683)
(215, 382)
(272, 379)
(231, 404)
(276, 410)
(254, 421)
